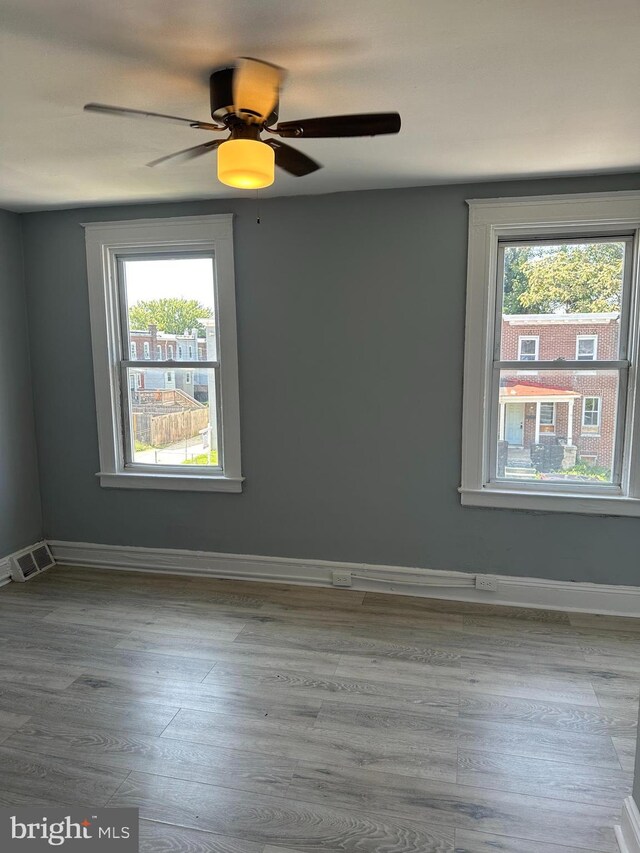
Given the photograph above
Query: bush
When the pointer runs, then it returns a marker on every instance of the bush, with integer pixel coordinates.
(594, 472)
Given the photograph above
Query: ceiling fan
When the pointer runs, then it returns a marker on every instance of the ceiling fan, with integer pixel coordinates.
(244, 103)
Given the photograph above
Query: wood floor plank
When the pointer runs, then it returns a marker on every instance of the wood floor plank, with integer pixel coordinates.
(158, 837)
(455, 805)
(121, 750)
(604, 623)
(249, 698)
(524, 740)
(275, 820)
(155, 621)
(57, 780)
(46, 704)
(343, 642)
(36, 672)
(468, 841)
(118, 660)
(576, 690)
(578, 783)
(555, 715)
(413, 604)
(433, 760)
(626, 751)
(380, 694)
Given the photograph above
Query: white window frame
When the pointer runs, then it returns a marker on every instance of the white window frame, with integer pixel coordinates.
(538, 217)
(593, 338)
(170, 352)
(133, 350)
(535, 338)
(146, 350)
(105, 243)
(552, 422)
(584, 410)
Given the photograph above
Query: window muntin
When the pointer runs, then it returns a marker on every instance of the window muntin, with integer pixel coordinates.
(586, 347)
(165, 419)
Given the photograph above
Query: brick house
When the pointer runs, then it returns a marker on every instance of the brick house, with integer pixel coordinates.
(152, 345)
(570, 408)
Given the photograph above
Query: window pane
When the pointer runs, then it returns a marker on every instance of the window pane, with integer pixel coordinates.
(170, 308)
(172, 416)
(567, 295)
(557, 426)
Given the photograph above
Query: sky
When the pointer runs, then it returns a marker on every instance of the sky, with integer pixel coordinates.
(188, 278)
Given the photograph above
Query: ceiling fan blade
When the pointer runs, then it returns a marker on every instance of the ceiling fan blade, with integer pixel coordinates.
(189, 153)
(292, 160)
(256, 87)
(128, 113)
(365, 124)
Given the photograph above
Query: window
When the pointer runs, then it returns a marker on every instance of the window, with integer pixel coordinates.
(134, 352)
(528, 349)
(158, 435)
(170, 351)
(540, 271)
(179, 352)
(586, 347)
(190, 353)
(147, 353)
(591, 414)
(547, 417)
(159, 353)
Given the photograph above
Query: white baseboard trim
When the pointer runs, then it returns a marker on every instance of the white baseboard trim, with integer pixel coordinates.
(628, 833)
(457, 586)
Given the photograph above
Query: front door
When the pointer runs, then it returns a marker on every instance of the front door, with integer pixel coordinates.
(514, 423)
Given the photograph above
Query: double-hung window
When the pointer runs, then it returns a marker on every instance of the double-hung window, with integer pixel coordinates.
(161, 425)
(553, 281)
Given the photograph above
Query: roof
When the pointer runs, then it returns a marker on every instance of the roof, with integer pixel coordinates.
(597, 318)
(520, 391)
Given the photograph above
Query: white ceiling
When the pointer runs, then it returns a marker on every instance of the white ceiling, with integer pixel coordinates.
(486, 89)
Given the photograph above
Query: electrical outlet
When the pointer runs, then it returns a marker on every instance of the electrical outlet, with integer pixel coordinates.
(487, 583)
(341, 578)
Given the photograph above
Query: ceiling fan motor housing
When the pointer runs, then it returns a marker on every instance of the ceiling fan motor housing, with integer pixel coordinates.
(221, 94)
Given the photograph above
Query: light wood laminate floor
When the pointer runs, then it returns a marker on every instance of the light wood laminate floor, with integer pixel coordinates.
(252, 718)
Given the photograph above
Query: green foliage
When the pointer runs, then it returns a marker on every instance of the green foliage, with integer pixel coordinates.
(169, 315)
(210, 458)
(594, 472)
(576, 278)
(140, 446)
(582, 471)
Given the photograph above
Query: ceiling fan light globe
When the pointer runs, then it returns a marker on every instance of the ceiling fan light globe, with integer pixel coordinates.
(246, 164)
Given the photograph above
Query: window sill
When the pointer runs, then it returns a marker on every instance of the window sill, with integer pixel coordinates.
(585, 504)
(172, 482)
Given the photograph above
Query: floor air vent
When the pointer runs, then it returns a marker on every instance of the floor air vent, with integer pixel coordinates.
(30, 562)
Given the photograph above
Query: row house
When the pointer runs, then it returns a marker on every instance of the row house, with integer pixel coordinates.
(576, 408)
(152, 345)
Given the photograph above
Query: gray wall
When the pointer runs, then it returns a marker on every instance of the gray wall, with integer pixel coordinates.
(351, 325)
(20, 515)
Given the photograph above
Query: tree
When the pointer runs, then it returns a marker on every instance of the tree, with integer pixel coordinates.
(576, 278)
(169, 315)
